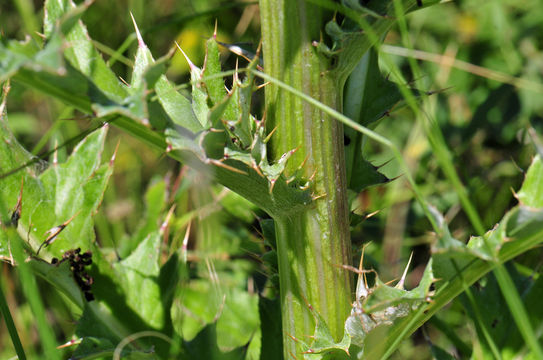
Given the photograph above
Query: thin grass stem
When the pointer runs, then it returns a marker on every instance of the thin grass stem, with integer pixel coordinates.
(33, 296)
(10, 325)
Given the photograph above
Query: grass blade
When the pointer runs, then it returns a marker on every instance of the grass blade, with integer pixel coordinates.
(510, 293)
(33, 296)
(4, 309)
(444, 158)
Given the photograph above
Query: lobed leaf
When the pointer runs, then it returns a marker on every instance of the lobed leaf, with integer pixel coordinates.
(138, 274)
(81, 52)
(72, 190)
(212, 66)
(382, 305)
(324, 346)
(85, 82)
(531, 193)
(177, 106)
(457, 265)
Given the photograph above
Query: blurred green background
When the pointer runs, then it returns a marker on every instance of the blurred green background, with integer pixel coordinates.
(485, 123)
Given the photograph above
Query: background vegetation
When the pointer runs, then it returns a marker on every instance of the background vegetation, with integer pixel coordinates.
(473, 55)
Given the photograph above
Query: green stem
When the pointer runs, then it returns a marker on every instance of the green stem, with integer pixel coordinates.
(10, 325)
(32, 294)
(310, 278)
(313, 242)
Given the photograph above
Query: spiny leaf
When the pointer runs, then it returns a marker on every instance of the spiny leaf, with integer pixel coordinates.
(374, 308)
(146, 74)
(77, 187)
(178, 140)
(70, 190)
(81, 53)
(519, 230)
(369, 98)
(531, 193)
(239, 121)
(382, 296)
(144, 59)
(364, 175)
(275, 170)
(383, 304)
(323, 345)
(212, 66)
(199, 94)
(177, 106)
(85, 82)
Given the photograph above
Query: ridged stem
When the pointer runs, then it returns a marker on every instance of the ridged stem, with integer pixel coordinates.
(313, 242)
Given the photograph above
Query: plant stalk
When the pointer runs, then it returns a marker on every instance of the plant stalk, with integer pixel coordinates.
(314, 242)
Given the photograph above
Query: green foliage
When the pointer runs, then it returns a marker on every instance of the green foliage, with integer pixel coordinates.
(165, 290)
(457, 266)
(67, 193)
(86, 77)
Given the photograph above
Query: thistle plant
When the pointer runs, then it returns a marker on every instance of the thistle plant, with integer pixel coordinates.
(300, 162)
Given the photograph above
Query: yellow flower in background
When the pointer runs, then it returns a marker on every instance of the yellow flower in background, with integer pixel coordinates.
(467, 27)
(192, 40)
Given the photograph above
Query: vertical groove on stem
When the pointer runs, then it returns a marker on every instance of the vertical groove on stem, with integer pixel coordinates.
(315, 242)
